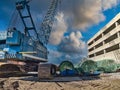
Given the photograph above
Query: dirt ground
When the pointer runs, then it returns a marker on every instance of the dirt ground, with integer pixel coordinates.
(104, 82)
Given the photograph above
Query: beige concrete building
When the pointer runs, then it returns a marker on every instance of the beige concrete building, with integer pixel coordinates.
(106, 43)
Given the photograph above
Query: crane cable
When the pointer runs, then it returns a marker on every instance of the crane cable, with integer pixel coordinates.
(47, 23)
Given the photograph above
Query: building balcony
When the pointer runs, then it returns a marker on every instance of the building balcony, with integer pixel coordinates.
(114, 31)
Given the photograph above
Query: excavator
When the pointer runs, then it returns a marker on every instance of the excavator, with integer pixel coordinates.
(20, 50)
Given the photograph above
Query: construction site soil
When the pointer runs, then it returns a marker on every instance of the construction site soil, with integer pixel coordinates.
(103, 82)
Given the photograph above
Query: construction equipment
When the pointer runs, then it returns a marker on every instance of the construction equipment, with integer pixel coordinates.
(46, 71)
(67, 69)
(26, 50)
(88, 68)
(107, 66)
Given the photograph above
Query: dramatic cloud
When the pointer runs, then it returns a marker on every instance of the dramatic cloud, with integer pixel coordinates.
(79, 15)
(72, 43)
(57, 57)
(59, 28)
(82, 14)
(107, 5)
(70, 48)
(73, 17)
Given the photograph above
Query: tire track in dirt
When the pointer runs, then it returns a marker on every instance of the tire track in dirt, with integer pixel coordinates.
(59, 85)
(2, 84)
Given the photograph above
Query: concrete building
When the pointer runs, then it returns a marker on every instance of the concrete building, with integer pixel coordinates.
(106, 43)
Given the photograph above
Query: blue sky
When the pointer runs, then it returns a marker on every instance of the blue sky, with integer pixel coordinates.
(77, 22)
(109, 14)
(5, 16)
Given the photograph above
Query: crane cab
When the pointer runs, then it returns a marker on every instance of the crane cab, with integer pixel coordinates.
(17, 46)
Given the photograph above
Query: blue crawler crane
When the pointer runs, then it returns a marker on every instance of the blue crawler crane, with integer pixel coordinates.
(20, 50)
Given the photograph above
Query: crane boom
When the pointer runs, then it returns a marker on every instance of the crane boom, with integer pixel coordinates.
(25, 50)
(46, 26)
(47, 23)
(24, 5)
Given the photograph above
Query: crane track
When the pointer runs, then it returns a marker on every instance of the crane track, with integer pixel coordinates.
(14, 74)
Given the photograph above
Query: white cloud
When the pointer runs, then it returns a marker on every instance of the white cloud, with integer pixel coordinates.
(77, 15)
(59, 28)
(84, 13)
(109, 4)
(72, 44)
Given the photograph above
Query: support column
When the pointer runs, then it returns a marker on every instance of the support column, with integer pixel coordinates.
(94, 54)
(116, 24)
(119, 46)
(104, 51)
(102, 35)
(118, 34)
(103, 43)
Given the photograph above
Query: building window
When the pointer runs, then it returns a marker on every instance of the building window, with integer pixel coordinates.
(98, 45)
(118, 21)
(98, 37)
(100, 53)
(2, 41)
(112, 48)
(111, 38)
(91, 49)
(109, 29)
(90, 43)
(92, 55)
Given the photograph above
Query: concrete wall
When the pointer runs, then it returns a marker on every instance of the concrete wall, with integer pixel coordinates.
(106, 43)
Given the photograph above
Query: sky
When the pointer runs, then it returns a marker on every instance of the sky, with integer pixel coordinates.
(75, 23)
